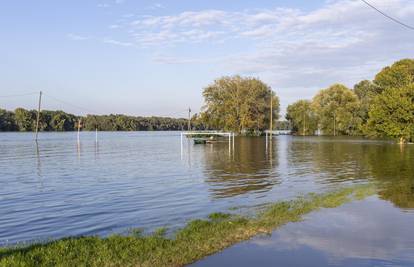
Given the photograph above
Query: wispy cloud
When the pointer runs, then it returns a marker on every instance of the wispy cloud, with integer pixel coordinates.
(109, 4)
(103, 5)
(118, 43)
(343, 41)
(76, 37)
(333, 40)
(156, 6)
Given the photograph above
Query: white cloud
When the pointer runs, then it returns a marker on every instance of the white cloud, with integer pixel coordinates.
(292, 50)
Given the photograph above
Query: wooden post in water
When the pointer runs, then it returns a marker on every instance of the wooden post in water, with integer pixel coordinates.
(271, 110)
(96, 135)
(304, 124)
(38, 116)
(189, 119)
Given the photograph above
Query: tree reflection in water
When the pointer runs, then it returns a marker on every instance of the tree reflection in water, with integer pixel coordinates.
(249, 169)
(314, 161)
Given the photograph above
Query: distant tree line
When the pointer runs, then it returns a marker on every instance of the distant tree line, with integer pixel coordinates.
(383, 107)
(25, 120)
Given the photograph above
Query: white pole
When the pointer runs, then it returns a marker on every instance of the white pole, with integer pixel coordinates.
(79, 125)
(181, 145)
(96, 135)
(233, 141)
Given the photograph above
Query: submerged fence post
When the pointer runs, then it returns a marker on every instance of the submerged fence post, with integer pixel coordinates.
(38, 116)
(233, 141)
(79, 125)
(181, 145)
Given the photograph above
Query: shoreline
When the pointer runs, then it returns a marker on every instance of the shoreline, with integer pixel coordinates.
(198, 239)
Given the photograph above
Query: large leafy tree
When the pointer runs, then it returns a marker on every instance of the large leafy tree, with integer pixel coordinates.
(239, 104)
(337, 111)
(400, 74)
(61, 121)
(302, 117)
(366, 92)
(7, 121)
(25, 119)
(392, 113)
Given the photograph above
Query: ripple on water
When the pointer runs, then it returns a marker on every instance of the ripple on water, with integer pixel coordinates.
(59, 188)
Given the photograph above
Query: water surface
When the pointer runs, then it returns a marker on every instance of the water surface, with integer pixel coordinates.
(60, 187)
(359, 234)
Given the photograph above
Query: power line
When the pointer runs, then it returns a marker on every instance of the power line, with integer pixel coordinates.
(18, 95)
(388, 16)
(70, 104)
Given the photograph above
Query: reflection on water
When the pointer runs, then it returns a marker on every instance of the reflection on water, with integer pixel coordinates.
(62, 187)
(364, 233)
(393, 167)
(248, 170)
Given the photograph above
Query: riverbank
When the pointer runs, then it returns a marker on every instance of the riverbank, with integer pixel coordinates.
(196, 240)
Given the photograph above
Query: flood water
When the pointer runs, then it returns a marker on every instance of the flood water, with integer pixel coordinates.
(60, 187)
(364, 233)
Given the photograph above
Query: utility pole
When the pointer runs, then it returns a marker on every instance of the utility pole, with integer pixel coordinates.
(189, 119)
(271, 110)
(38, 115)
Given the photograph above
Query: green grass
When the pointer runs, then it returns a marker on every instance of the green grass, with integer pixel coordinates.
(196, 240)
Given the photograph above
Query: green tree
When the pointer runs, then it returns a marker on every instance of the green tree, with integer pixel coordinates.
(400, 74)
(337, 111)
(239, 104)
(25, 120)
(302, 117)
(392, 113)
(283, 125)
(7, 121)
(61, 121)
(366, 91)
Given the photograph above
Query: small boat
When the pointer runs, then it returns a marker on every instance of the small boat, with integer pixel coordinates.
(200, 141)
(203, 141)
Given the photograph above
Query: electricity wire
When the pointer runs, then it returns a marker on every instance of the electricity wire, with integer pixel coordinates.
(388, 16)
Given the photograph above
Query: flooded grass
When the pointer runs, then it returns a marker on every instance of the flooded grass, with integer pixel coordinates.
(199, 238)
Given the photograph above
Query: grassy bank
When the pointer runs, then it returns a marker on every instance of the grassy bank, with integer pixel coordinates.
(196, 240)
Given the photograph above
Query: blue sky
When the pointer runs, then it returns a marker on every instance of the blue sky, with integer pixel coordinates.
(154, 57)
